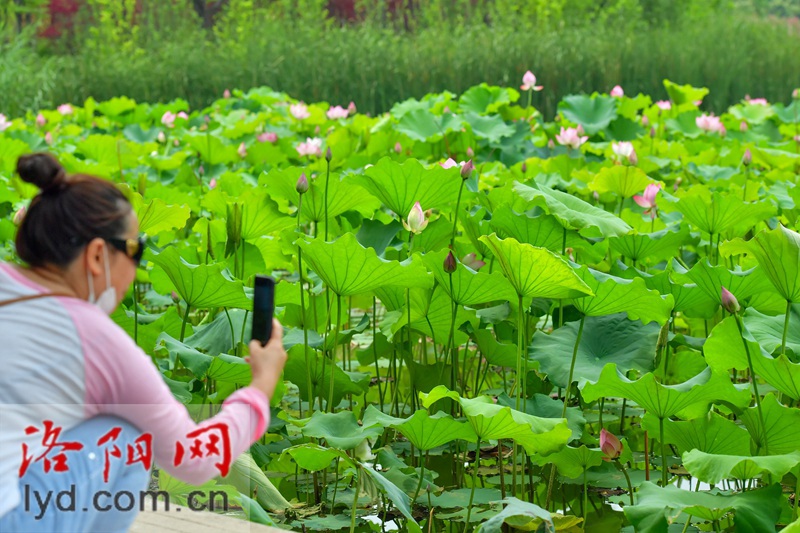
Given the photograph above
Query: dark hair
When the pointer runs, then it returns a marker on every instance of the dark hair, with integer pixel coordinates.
(68, 212)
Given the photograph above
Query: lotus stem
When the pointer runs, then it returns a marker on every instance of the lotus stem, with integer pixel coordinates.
(455, 215)
(356, 480)
(786, 326)
(755, 382)
(572, 367)
(375, 350)
(796, 495)
(624, 471)
(474, 482)
(333, 352)
(327, 179)
(421, 477)
(585, 495)
(185, 320)
(663, 453)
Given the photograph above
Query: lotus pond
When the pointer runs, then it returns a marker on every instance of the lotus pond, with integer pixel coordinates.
(494, 322)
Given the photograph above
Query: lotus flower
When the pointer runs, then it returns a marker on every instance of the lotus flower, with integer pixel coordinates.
(312, 146)
(183, 115)
(299, 111)
(416, 220)
(471, 260)
(529, 82)
(756, 101)
(796, 94)
(268, 137)
(709, 123)
(743, 127)
(398, 147)
(571, 137)
(161, 137)
(242, 151)
(609, 445)
(664, 105)
(302, 184)
(40, 120)
(19, 215)
(168, 119)
(466, 169)
(351, 108)
(65, 109)
(623, 150)
(48, 138)
(450, 263)
(747, 158)
(450, 163)
(645, 121)
(617, 92)
(470, 152)
(213, 183)
(226, 93)
(729, 301)
(337, 112)
(4, 122)
(648, 199)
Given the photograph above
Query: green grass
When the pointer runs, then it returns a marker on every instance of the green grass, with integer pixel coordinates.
(376, 67)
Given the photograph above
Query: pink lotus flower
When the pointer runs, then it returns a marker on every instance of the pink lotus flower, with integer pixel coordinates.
(571, 137)
(648, 199)
(755, 101)
(743, 127)
(226, 93)
(467, 169)
(65, 109)
(242, 151)
(351, 108)
(450, 163)
(416, 220)
(212, 183)
(617, 92)
(268, 137)
(168, 119)
(299, 111)
(337, 112)
(609, 445)
(48, 138)
(747, 158)
(310, 147)
(302, 184)
(19, 215)
(529, 82)
(623, 150)
(4, 122)
(182, 115)
(40, 120)
(664, 105)
(398, 147)
(470, 153)
(796, 94)
(645, 121)
(729, 301)
(471, 260)
(709, 123)
(450, 264)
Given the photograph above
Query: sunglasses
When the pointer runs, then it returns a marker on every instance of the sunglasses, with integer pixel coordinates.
(133, 248)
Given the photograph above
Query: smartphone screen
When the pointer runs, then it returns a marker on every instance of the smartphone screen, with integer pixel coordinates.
(263, 308)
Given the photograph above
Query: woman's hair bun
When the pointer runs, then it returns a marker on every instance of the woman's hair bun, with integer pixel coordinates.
(42, 170)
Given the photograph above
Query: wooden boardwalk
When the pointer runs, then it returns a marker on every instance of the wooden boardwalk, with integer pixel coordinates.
(184, 520)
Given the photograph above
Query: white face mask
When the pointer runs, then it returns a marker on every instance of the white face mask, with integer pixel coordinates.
(108, 300)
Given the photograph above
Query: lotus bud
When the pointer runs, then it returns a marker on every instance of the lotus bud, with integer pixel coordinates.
(351, 108)
(48, 138)
(398, 148)
(743, 126)
(596, 196)
(633, 159)
(524, 168)
(416, 220)
(175, 297)
(226, 93)
(579, 129)
(729, 301)
(328, 155)
(796, 94)
(645, 121)
(201, 170)
(242, 151)
(161, 137)
(446, 109)
(213, 183)
(470, 152)
(176, 142)
(677, 184)
(466, 170)
(19, 215)
(40, 120)
(747, 158)
(450, 263)
(551, 145)
(302, 184)
(316, 130)
(722, 131)
(652, 133)
(609, 445)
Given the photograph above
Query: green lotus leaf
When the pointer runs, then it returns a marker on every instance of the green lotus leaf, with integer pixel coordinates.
(782, 423)
(348, 268)
(684, 94)
(399, 498)
(572, 212)
(711, 433)
(468, 286)
(340, 430)
(689, 298)
(248, 478)
(211, 148)
(624, 181)
(543, 230)
(200, 286)
(422, 125)
(492, 128)
(535, 272)
(608, 339)
(260, 215)
(156, 216)
(755, 511)
(768, 330)
(614, 295)
(571, 462)
(496, 353)
(520, 514)
(313, 457)
(486, 99)
(743, 284)
(713, 468)
(198, 363)
(298, 368)
(656, 246)
(594, 113)
(716, 213)
(424, 431)
(664, 401)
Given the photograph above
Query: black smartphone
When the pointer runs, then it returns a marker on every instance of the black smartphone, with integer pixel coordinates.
(263, 308)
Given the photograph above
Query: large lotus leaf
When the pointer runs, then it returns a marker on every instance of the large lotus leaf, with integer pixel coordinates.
(594, 113)
(484, 98)
(607, 339)
(230, 369)
(716, 213)
(713, 468)
(743, 284)
(468, 286)
(778, 254)
(492, 128)
(399, 498)
(756, 511)
(689, 298)
(794, 527)
(424, 431)
(260, 215)
(572, 212)
(340, 430)
(724, 350)
(10, 150)
(248, 478)
(547, 407)
(197, 362)
(211, 148)
(343, 195)
(656, 246)
(543, 231)
(535, 272)
(691, 397)
(519, 514)
(348, 268)
(496, 353)
(711, 433)
(782, 423)
(615, 295)
(313, 457)
(571, 462)
(768, 330)
(684, 94)
(200, 286)
(156, 216)
(624, 181)
(319, 367)
(422, 125)
(474, 227)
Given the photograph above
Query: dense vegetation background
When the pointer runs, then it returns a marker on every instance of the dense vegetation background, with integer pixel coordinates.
(378, 52)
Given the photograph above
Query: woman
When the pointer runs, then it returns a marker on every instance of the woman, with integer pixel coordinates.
(71, 378)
